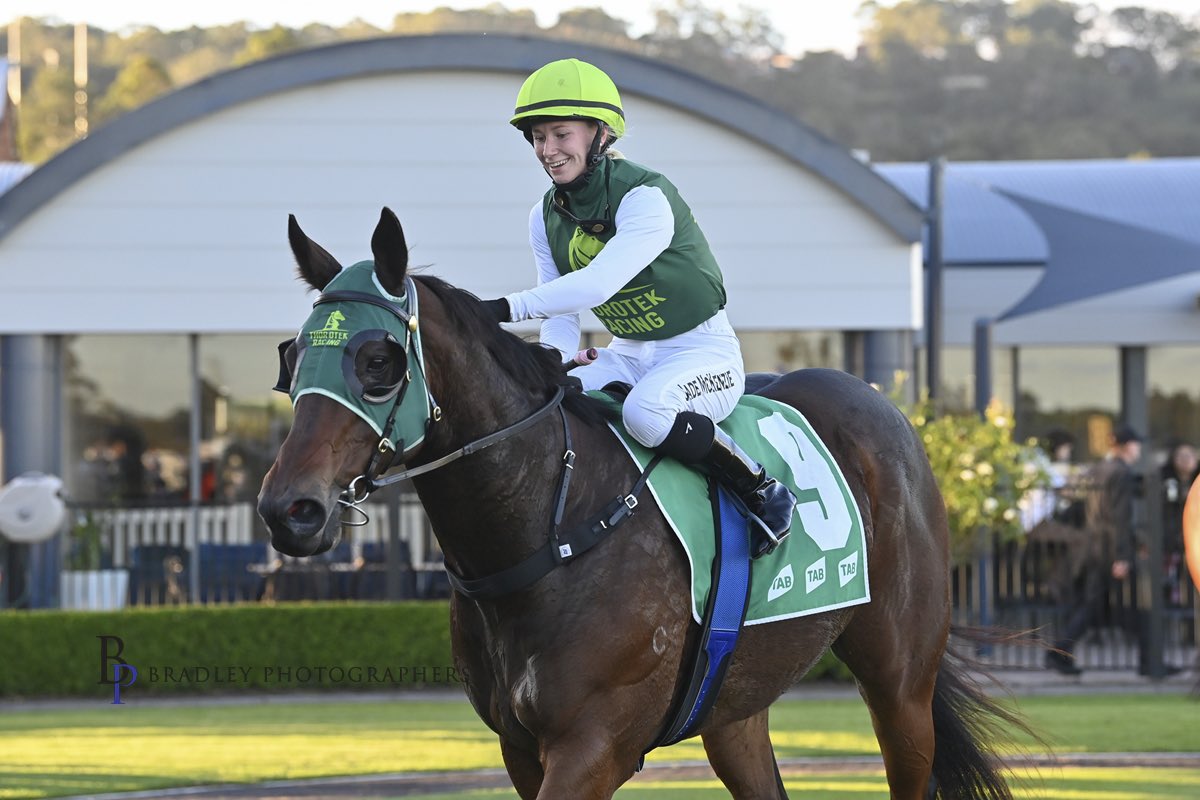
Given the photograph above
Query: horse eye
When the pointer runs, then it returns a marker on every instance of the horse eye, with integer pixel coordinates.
(377, 364)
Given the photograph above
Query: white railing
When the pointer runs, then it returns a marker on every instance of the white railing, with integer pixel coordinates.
(123, 530)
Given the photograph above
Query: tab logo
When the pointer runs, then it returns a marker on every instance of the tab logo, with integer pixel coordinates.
(814, 576)
(781, 584)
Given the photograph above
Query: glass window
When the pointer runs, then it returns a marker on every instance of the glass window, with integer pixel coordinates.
(1074, 388)
(1174, 388)
(243, 422)
(126, 399)
(784, 351)
(958, 378)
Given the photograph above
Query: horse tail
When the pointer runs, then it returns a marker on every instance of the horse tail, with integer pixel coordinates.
(967, 727)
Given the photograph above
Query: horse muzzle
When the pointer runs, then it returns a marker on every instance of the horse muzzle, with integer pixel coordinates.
(300, 525)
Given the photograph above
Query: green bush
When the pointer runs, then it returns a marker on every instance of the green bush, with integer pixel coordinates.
(211, 649)
(241, 648)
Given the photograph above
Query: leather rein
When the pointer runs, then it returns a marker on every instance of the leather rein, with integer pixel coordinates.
(560, 546)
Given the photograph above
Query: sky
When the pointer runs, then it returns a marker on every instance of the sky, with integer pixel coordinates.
(805, 24)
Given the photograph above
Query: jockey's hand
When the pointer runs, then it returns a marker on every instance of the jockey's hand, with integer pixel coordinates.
(584, 357)
(498, 310)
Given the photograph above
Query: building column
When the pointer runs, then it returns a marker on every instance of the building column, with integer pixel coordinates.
(31, 415)
(884, 353)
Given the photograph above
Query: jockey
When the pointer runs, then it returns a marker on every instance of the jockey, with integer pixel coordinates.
(616, 237)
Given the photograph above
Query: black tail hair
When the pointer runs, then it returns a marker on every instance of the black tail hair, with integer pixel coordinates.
(968, 725)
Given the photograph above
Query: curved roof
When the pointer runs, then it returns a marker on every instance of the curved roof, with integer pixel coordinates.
(751, 118)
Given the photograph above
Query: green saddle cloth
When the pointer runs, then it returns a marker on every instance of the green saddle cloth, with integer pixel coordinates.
(821, 565)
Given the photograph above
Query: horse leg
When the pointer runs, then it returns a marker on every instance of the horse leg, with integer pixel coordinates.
(897, 684)
(742, 756)
(585, 767)
(524, 770)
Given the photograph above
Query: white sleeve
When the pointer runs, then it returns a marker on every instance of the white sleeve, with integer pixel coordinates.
(561, 332)
(645, 227)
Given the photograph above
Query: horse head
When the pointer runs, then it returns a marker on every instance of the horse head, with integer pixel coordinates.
(347, 371)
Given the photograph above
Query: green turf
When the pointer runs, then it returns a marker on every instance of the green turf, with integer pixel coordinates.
(49, 753)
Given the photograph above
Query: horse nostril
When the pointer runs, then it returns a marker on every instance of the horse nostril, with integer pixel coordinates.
(305, 513)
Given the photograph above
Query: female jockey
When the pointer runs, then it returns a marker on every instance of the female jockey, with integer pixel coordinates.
(616, 237)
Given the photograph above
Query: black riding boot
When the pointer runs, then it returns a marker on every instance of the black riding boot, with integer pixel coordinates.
(694, 439)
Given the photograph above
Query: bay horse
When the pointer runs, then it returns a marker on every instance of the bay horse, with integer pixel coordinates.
(577, 673)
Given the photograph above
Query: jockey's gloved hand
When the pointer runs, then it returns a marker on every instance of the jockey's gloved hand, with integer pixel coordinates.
(498, 309)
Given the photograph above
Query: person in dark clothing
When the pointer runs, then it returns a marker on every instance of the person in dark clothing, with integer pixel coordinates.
(1178, 474)
(1110, 548)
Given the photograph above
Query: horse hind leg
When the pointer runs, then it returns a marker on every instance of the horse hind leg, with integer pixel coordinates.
(898, 687)
(742, 756)
(933, 726)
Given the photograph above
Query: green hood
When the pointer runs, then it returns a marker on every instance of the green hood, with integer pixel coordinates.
(331, 336)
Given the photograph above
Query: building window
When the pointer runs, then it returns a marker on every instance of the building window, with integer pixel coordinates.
(243, 422)
(1174, 393)
(126, 432)
(784, 351)
(1074, 388)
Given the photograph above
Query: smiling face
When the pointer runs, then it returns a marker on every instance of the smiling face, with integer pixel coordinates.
(562, 146)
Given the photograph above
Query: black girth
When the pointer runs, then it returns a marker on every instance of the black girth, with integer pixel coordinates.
(560, 546)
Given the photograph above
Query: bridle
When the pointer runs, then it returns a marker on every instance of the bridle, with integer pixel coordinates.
(562, 544)
(366, 483)
(384, 453)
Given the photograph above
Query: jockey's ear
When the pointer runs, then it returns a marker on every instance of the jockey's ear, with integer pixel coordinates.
(390, 251)
(316, 267)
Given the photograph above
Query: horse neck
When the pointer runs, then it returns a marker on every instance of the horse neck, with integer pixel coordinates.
(496, 502)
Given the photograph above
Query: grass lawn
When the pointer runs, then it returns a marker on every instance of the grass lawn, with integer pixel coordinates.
(49, 753)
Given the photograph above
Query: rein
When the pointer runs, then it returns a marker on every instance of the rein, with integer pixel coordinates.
(369, 484)
(560, 546)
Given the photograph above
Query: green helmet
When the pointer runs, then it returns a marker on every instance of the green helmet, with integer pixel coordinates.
(571, 89)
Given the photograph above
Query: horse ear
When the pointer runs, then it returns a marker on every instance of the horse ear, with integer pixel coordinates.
(317, 268)
(390, 251)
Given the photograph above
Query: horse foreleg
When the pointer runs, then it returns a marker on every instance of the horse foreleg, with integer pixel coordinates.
(524, 770)
(585, 767)
(742, 756)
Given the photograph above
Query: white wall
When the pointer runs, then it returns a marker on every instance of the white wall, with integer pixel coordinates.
(188, 231)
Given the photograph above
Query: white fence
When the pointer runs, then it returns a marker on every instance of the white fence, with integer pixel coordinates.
(146, 554)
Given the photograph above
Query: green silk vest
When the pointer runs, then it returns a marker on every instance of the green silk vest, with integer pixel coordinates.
(677, 291)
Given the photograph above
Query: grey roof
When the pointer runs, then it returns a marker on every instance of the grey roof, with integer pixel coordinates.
(1098, 226)
(11, 173)
(752, 118)
(980, 226)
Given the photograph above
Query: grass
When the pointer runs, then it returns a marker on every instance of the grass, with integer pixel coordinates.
(49, 753)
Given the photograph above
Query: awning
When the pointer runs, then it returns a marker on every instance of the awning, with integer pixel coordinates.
(1092, 255)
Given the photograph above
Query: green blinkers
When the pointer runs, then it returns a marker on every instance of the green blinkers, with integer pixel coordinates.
(360, 347)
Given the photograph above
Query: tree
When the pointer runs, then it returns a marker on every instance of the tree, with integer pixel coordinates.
(142, 80)
(592, 24)
(919, 24)
(264, 44)
(46, 122)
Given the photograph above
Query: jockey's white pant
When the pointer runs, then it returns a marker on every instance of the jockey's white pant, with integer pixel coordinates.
(700, 370)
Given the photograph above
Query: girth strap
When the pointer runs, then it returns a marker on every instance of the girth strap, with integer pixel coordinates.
(561, 546)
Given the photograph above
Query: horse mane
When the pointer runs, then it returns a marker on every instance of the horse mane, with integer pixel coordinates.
(530, 364)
